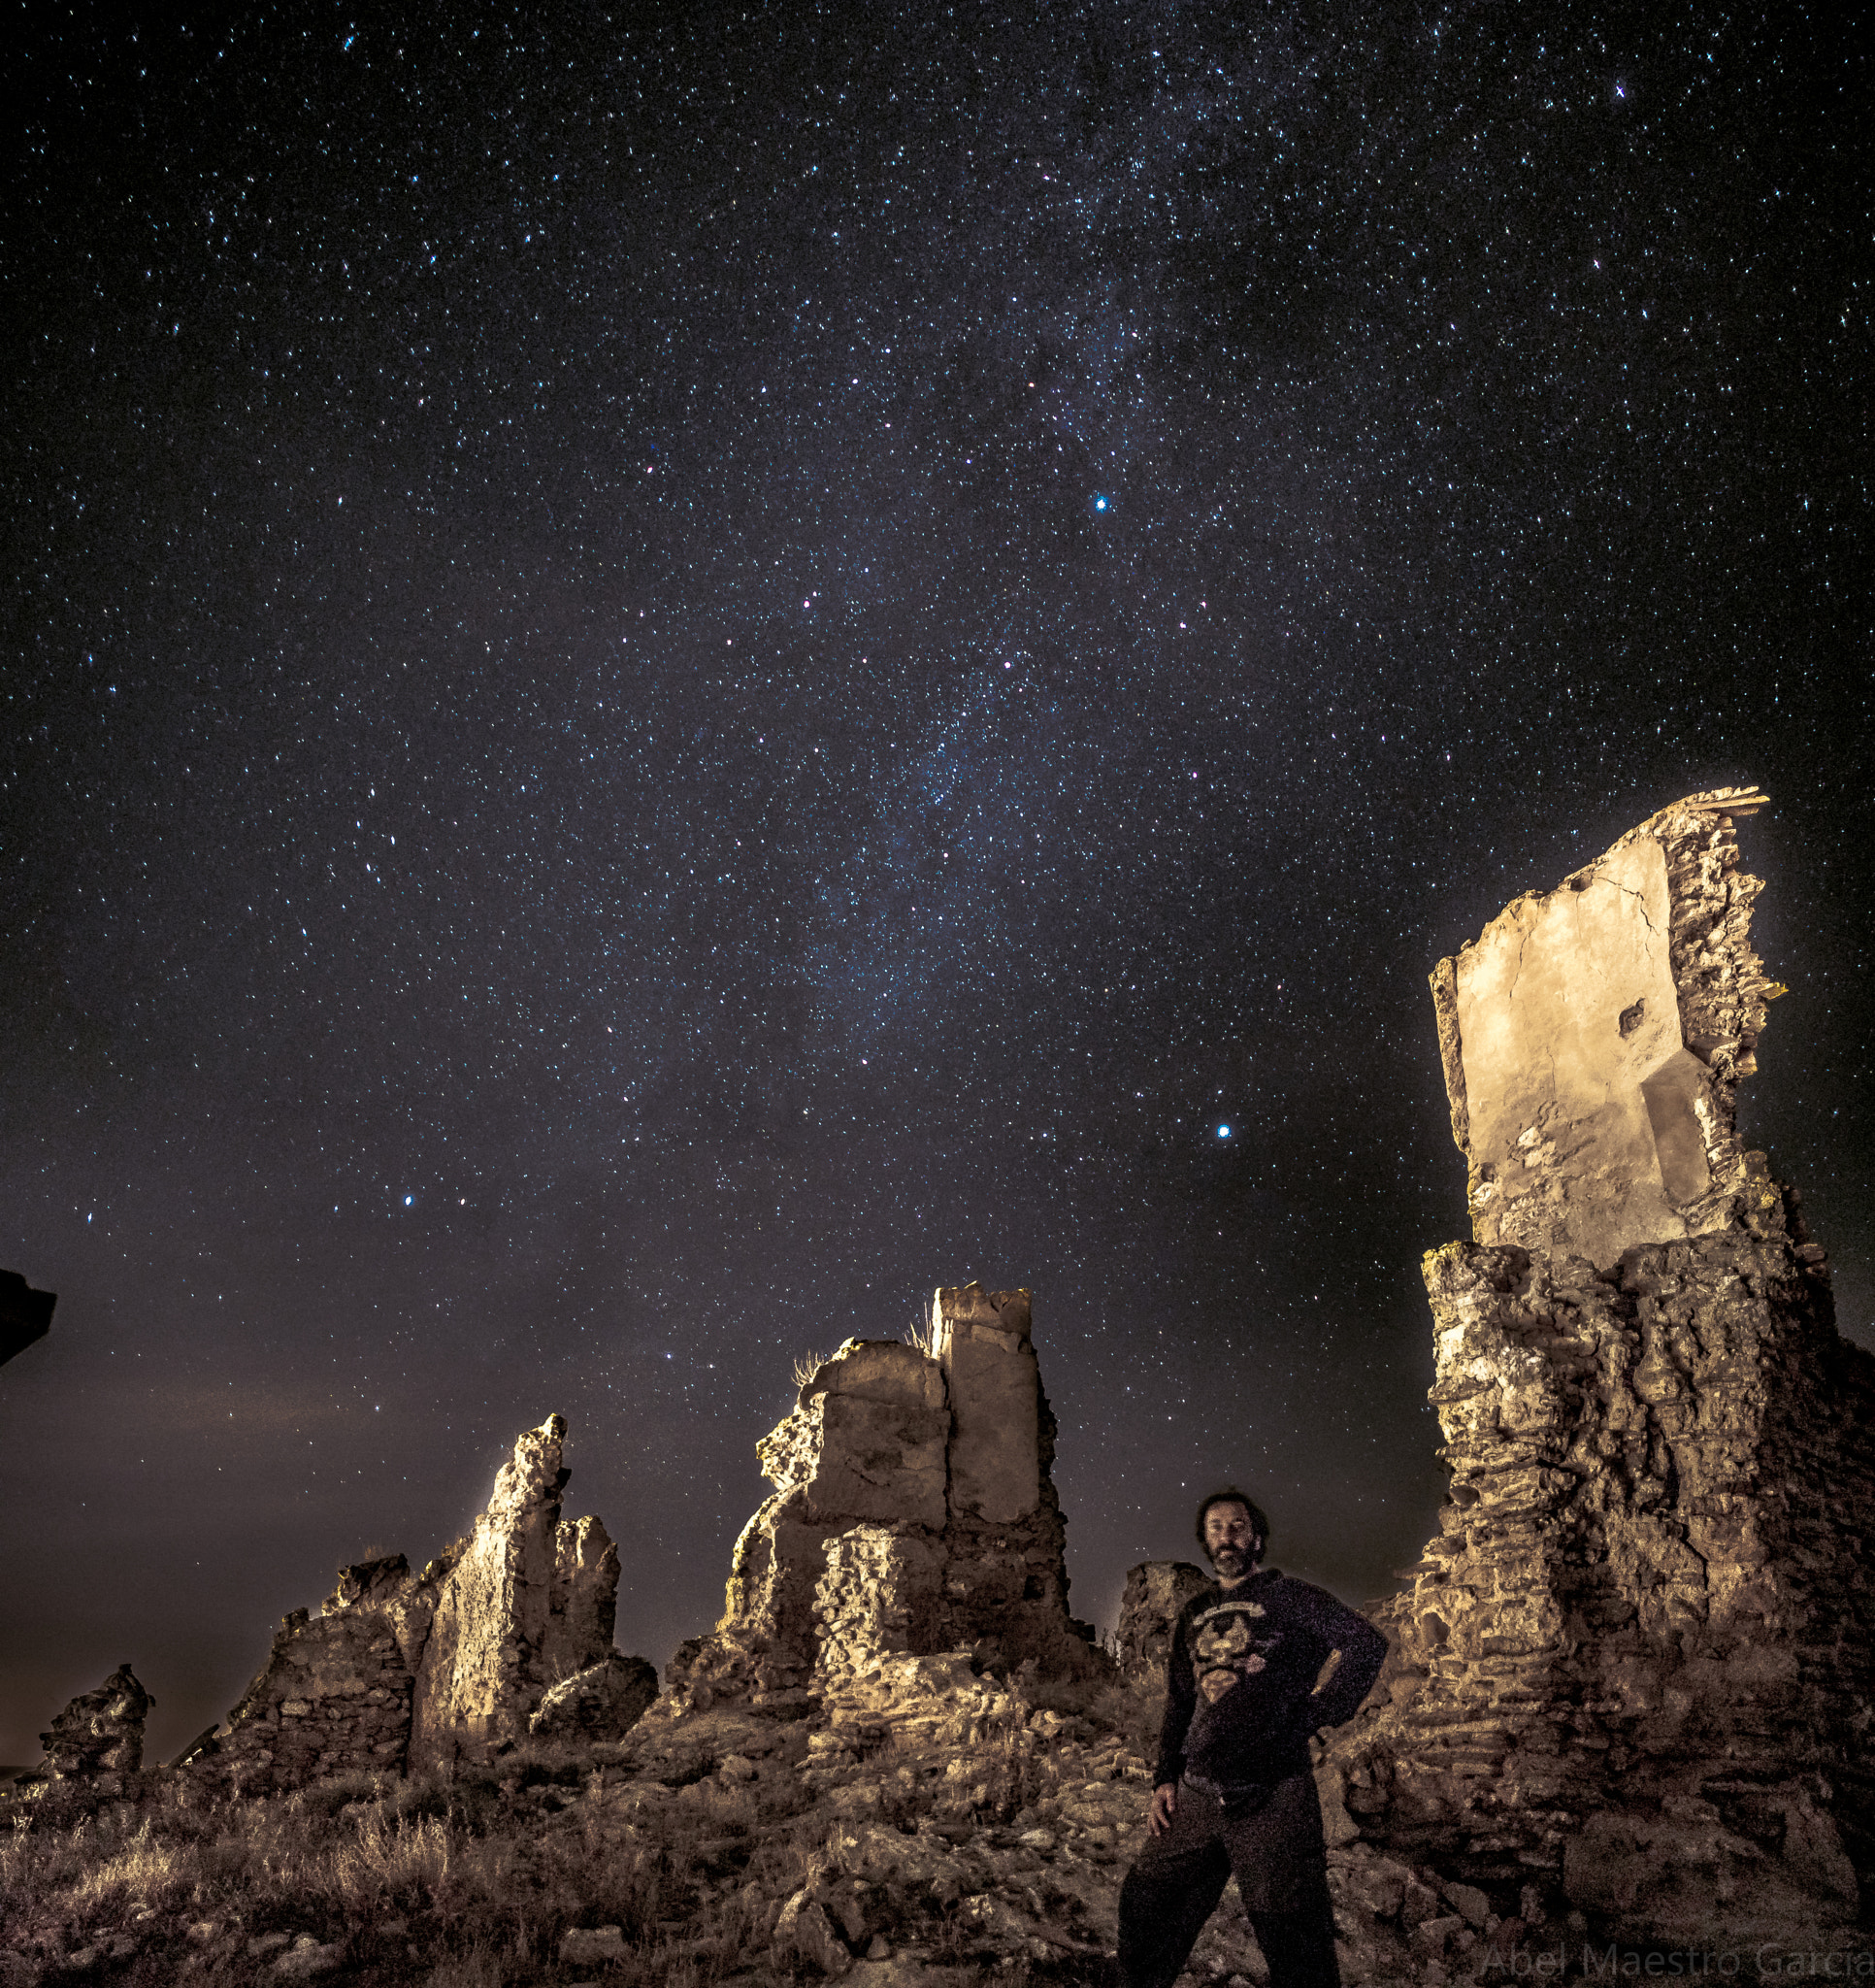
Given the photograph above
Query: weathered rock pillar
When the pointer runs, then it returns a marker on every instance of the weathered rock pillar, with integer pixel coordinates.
(506, 1632)
(1006, 1588)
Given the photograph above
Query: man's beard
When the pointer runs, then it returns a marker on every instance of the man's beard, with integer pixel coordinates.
(1232, 1562)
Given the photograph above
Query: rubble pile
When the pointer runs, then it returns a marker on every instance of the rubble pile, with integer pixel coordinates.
(946, 1826)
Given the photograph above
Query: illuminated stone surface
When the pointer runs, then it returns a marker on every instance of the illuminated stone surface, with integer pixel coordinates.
(1594, 1037)
(913, 1514)
(426, 1671)
(1631, 1678)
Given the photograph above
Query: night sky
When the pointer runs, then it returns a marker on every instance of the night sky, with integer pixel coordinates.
(669, 677)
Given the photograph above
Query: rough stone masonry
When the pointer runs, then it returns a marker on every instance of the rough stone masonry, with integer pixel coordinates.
(913, 1514)
(506, 1631)
(1632, 1685)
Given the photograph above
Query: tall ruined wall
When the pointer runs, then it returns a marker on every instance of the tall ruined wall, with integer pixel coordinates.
(1004, 1540)
(914, 1512)
(1632, 1678)
(1593, 1037)
(484, 1662)
(422, 1670)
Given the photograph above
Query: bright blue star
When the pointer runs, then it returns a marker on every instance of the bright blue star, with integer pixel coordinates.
(1100, 504)
(1224, 1131)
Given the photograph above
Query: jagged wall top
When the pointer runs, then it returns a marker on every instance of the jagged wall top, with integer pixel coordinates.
(1594, 1037)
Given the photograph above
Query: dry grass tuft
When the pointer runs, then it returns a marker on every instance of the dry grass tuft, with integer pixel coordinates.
(808, 1366)
(474, 1882)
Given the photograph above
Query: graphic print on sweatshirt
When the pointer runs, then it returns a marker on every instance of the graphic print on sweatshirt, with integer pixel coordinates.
(1229, 1643)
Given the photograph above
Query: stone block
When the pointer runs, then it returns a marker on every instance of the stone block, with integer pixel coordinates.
(878, 1460)
(880, 1596)
(603, 1701)
(868, 1437)
(885, 1370)
(590, 1946)
(981, 1339)
(805, 1929)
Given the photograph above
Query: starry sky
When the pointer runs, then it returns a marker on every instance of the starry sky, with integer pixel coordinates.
(673, 675)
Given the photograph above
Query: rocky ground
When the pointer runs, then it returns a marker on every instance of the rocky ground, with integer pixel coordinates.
(923, 1826)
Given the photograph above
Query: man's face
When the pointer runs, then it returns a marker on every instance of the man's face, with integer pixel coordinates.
(1231, 1540)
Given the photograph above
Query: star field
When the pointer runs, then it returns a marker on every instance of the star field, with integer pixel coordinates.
(673, 675)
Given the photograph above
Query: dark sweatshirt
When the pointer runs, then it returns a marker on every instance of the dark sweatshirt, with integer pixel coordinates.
(1240, 1697)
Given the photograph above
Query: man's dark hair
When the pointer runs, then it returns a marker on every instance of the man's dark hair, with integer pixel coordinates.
(1230, 1495)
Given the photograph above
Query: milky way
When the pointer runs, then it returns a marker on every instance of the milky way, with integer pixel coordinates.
(671, 679)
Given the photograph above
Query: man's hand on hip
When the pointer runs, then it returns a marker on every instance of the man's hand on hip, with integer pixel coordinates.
(1159, 1813)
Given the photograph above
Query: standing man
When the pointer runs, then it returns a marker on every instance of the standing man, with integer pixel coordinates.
(1234, 1791)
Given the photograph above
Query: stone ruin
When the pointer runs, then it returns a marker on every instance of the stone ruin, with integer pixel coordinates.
(1631, 1688)
(1155, 1590)
(507, 1632)
(915, 1522)
(96, 1744)
(1594, 1039)
(913, 1514)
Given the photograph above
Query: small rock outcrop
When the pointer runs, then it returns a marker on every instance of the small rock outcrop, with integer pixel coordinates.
(914, 1512)
(505, 1633)
(1155, 1590)
(1634, 1674)
(96, 1744)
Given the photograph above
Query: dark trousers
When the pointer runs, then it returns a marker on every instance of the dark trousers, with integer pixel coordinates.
(1277, 1857)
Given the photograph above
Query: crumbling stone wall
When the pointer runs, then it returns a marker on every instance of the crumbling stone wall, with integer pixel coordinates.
(334, 1694)
(913, 1514)
(96, 1744)
(882, 1595)
(582, 1603)
(1593, 1037)
(1632, 1678)
(489, 1637)
(419, 1672)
